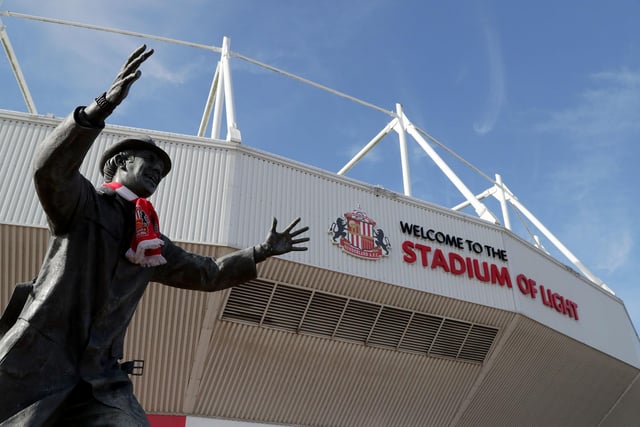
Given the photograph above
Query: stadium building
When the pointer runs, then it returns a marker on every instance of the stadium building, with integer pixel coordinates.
(401, 313)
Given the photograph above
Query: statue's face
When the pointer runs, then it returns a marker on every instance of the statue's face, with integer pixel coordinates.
(141, 173)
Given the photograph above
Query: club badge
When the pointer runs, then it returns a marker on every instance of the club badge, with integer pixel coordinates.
(357, 234)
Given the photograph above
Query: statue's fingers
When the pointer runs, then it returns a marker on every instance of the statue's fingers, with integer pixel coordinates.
(140, 59)
(135, 59)
(299, 248)
(300, 231)
(274, 224)
(131, 60)
(302, 240)
(136, 54)
(130, 78)
(293, 224)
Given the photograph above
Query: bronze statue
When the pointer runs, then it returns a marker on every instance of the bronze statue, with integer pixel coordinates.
(63, 335)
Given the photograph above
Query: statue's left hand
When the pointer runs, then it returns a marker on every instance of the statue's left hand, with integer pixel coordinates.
(280, 243)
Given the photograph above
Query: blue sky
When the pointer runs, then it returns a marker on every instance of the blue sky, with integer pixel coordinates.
(545, 93)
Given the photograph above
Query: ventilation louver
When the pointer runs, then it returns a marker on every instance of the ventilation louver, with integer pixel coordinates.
(304, 311)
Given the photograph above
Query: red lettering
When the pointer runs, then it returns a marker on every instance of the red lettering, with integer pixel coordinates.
(456, 263)
(469, 267)
(409, 255)
(527, 286)
(572, 309)
(501, 277)
(547, 296)
(558, 303)
(424, 250)
(439, 260)
(521, 281)
(481, 275)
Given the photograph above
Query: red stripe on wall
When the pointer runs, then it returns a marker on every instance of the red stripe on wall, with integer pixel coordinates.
(167, 420)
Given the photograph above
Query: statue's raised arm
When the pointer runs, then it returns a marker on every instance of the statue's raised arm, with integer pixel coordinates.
(104, 105)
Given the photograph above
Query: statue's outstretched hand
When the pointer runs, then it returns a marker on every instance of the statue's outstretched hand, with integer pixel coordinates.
(104, 105)
(128, 74)
(281, 243)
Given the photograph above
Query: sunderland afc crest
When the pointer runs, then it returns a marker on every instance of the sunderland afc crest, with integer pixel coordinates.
(358, 235)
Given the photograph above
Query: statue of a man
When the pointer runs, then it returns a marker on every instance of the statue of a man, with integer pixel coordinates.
(59, 356)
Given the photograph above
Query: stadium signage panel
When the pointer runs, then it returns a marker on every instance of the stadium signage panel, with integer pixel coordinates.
(468, 264)
(359, 235)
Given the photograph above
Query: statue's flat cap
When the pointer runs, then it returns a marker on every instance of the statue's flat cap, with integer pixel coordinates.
(142, 142)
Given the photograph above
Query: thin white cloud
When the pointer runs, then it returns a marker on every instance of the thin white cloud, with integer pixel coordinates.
(497, 90)
(600, 131)
(609, 110)
(96, 53)
(604, 241)
(617, 252)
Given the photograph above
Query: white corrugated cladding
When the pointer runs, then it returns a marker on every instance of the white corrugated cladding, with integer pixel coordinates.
(18, 139)
(597, 311)
(203, 170)
(287, 190)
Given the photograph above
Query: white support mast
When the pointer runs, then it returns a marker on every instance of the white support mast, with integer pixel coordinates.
(384, 132)
(481, 210)
(404, 156)
(221, 91)
(17, 71)
(500, 191)
(206, 114)
(401, 124)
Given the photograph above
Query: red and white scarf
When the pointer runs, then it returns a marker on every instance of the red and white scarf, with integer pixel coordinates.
(146, 244)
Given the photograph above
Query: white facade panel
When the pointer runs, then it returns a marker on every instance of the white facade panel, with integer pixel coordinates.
(193, 195)
(286, 191)
(19, 204)
(558, 297)
(194, 202)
